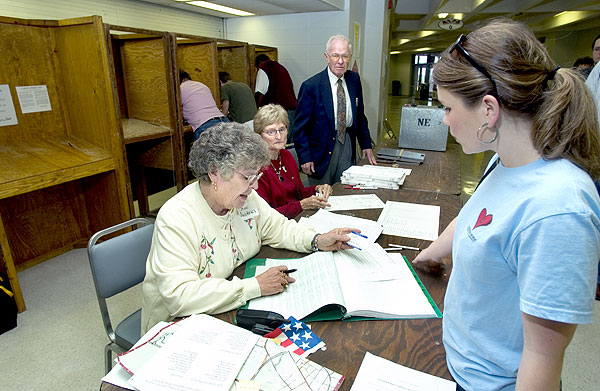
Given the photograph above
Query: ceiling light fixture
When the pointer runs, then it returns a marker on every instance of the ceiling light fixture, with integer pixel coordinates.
(403, 41)
(425, 33)
(423, 49)
(395, 52)
(220, 8)
(442, 15)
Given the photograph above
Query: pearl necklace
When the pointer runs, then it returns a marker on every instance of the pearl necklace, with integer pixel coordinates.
(281, 167)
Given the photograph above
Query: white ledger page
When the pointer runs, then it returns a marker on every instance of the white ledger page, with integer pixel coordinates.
(378, 374)
(410, 220)
(316, 285)
(400, 298)
(204, 354)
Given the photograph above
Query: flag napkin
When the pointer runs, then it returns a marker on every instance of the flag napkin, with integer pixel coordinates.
(297, 337)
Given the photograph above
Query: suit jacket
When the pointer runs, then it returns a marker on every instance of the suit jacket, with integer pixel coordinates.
(314, 126)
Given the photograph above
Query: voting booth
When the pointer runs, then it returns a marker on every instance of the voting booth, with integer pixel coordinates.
(421, 127)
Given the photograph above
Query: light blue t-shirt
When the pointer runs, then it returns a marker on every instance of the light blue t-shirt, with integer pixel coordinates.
(528, 240)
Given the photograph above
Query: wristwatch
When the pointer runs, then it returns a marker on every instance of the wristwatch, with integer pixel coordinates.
(314, 243)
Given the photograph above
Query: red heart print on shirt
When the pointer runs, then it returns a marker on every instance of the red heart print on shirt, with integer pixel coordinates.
(483, 219)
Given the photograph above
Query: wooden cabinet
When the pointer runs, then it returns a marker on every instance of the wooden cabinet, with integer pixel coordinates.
(198, 57)
(62, 172)
(232, 57)
(145, 78)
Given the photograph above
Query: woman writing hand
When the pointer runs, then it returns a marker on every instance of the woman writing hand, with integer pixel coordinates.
(274, 280)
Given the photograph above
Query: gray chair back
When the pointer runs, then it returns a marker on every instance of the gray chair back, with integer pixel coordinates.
(118, 264)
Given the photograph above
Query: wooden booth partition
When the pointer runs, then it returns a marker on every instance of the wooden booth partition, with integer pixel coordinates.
(233, 58)
(198, 57)
(62, 170)
(144, 74)
(255, 50)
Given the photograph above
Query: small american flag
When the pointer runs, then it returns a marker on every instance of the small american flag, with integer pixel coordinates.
(297, 337)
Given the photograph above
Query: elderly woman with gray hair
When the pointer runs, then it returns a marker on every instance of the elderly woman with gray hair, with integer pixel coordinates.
(214, 225)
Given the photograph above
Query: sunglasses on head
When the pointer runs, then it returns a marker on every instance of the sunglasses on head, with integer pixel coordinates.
(458, 47)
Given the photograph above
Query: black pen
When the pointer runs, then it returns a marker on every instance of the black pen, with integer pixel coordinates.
(289, 271)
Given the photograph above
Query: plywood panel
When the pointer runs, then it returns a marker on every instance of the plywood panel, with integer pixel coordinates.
(144, 68)
(198, 60)
(233, 59)
(18, 67)
(44, 220)
(88, 91)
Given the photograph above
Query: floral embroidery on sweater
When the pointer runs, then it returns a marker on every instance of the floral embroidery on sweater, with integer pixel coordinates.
(207, 251)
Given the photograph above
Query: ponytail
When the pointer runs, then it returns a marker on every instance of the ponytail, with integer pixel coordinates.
(566, 124)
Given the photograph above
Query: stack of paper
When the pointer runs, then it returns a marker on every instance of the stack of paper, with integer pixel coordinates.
(375, 176)
(205, 353)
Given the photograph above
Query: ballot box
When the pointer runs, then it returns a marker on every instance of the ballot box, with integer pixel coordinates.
(421, 127)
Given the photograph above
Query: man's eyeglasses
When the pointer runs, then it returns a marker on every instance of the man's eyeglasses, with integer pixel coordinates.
(336, 57)
(458, 47)
(252, 179)
(272, 132)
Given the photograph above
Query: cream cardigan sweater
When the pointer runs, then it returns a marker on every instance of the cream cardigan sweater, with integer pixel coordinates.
(194, 251)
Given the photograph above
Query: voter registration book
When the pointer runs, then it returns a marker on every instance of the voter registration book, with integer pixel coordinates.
(350, 285)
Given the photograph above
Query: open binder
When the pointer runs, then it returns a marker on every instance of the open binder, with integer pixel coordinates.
(401, 296)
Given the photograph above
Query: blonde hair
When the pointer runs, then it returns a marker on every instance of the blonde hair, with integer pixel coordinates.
(268, 115)
(562, 110)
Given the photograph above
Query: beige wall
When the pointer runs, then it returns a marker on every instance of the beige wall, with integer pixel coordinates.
(400, 65)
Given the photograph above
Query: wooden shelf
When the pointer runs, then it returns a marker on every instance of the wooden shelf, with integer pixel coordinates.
(45, 163)
(136, 130)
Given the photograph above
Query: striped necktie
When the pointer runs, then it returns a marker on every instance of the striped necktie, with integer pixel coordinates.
(341, 112)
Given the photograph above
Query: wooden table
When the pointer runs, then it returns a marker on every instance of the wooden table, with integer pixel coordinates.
(415, 343)
(440, 172)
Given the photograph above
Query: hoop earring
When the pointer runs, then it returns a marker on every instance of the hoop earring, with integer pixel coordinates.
(214, 185)
(480, 133)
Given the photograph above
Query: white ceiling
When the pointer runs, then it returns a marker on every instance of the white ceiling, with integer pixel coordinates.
(260, 7)
(412, 18)
(417, 20)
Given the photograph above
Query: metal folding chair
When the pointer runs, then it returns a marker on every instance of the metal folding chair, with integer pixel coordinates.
(118, 264)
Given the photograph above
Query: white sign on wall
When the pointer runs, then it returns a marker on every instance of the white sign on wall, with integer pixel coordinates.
(8, 115)
(33, 99)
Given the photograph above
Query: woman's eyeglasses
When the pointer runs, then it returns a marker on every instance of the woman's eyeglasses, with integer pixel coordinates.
(458, 47)
(272, 132)
(251, 179)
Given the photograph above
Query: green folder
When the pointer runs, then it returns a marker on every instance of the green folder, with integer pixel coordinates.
(336, 311)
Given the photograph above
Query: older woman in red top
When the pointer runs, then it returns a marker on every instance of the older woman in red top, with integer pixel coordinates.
(280, 184)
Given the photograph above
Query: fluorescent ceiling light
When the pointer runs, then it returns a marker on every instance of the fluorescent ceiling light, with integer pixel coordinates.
(403, 41)
(422, 49)
(442, 15)
(425, 33)
(220, 8)
(458, 16)
(395, 52)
